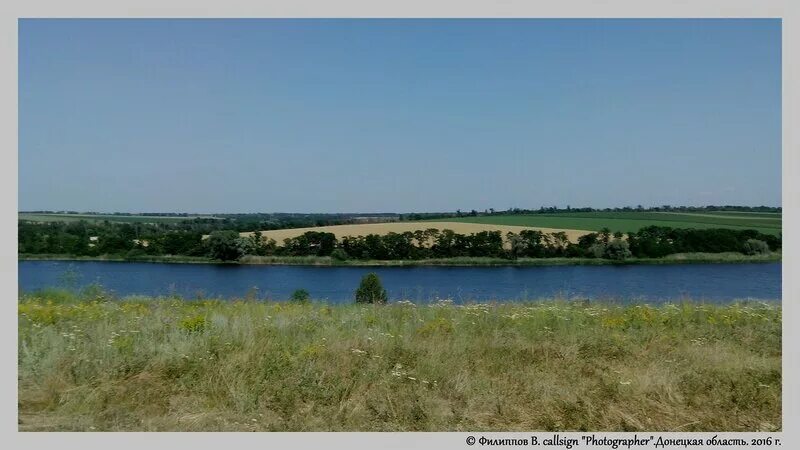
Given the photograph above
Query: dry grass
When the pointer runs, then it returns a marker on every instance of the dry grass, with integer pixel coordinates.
(170, 364)
(400, 227)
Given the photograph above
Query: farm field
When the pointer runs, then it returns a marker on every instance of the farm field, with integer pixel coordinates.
(88, 362)
(399, 227)
(45, 217)
(632, 221)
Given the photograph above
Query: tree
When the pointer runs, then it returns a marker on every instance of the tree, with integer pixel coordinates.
(223, 245)
(617, 249)
(755, 247)
(371, 290)
(300, 296)
(605, 235)
(597, 249)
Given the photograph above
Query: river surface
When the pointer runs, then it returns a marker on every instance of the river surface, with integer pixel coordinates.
(652, 283)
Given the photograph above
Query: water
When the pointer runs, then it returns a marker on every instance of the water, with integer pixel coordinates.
(708, 282)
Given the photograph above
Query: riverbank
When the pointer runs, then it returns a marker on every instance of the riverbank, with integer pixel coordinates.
(678, 258)
(145, 364)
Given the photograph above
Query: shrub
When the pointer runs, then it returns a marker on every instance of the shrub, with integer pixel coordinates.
(597, 250)
(300, 296)
(194, 324)
(436, 326)
(755, 247)
(95, 291)
(371, 290)
(617, 249)
(135, 253)
(340, 255)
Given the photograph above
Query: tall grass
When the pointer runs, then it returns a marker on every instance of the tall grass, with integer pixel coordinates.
(87, 362)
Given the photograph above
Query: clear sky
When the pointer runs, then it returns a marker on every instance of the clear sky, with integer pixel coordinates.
(397, 115)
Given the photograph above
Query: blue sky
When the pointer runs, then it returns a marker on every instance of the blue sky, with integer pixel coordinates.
(397, 115)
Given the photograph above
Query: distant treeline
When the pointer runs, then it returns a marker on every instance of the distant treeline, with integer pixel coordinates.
(273, 221)
(568, 209)
(138, 240)
(202, 225)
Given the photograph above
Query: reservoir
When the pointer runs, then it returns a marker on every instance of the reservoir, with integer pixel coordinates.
(650, 283)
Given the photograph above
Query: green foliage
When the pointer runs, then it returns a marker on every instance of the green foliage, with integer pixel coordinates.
(371, 290)
(439, 325)
(712, 232)
(135, 253)
(617, 249)
(597, 250)
(224, 245)
(755, 247)
(340, 255)
(95, 291)
(193, 324)
(300, 296)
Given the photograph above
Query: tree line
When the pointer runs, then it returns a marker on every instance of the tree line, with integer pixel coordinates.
(141, 240)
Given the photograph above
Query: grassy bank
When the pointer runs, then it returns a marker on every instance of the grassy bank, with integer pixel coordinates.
(679, 258)
(168, 364)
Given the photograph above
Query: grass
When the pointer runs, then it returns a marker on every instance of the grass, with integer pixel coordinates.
(52, 217)
(633, 221)
(92, 363)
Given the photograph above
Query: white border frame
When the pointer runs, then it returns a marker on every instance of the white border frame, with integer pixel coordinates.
(784, 9)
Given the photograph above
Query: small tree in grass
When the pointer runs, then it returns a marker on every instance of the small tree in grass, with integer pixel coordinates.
(371, 290)
(300, 296)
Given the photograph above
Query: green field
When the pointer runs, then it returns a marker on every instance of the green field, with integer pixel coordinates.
(44, 217)
(95, 363)
(633, 221)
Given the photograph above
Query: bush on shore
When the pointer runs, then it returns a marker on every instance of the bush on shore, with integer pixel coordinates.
(371, 290)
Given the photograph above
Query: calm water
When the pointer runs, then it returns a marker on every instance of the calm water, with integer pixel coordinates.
(710, 282)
